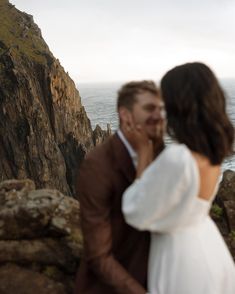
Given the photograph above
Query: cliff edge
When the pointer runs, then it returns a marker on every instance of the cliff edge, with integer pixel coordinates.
(44, 129)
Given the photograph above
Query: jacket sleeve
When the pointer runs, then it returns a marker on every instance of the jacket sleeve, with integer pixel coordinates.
(94, 192)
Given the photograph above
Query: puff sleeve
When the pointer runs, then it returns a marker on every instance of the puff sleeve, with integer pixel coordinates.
(161, 200)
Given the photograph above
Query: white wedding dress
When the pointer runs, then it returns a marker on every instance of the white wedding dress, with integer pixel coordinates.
(188, 254)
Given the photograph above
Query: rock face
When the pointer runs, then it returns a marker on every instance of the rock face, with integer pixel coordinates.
(44, 129)
(100, 135)
(223, 209)
(40, 239)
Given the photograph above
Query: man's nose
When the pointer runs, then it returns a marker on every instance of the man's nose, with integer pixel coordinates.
(159, 113)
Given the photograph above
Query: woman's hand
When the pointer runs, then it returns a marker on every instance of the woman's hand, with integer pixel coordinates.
(139, 140)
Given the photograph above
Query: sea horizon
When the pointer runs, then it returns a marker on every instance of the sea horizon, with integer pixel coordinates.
(104, 82)
(99, 100)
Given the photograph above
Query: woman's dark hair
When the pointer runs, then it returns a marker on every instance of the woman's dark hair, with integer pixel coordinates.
(196, 111)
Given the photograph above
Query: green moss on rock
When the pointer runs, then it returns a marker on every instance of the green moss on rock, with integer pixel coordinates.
(216, 211)
(20, 35)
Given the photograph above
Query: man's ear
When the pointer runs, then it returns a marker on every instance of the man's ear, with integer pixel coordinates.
(124, 114)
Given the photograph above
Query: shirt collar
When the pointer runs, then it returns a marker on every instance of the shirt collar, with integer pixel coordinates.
(128, 146)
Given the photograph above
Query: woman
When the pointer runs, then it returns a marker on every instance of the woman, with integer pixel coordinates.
(172, 197)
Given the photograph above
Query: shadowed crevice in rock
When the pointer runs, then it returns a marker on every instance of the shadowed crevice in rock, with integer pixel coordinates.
(73, 153)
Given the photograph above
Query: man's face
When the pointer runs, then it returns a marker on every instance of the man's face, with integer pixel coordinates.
(148, 111)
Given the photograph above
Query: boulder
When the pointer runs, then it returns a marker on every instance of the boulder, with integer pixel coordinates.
(40, 239)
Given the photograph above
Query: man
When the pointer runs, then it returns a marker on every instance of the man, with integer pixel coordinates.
(115, 254)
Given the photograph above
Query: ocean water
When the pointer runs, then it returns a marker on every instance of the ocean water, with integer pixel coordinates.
(99, 101)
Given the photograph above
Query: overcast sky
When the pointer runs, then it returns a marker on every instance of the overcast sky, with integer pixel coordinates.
(108, 40)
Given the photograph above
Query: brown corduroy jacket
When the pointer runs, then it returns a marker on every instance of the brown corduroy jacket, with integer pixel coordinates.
(115, 254)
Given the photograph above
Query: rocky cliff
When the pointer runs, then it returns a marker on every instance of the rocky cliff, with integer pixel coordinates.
(44, 129)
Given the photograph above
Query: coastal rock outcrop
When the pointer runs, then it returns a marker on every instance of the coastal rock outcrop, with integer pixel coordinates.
(40, 239)
(44, 129)
(100, 135)
(223, 209)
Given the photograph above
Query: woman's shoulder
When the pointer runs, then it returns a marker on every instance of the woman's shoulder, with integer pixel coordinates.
(175, 159)
(176, 154)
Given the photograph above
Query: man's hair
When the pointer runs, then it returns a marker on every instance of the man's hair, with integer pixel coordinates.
(196, 111)
(127, 93)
